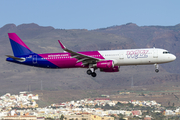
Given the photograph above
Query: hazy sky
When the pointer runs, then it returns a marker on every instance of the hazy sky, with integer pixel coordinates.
(89, 14)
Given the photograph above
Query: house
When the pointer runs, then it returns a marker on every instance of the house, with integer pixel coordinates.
(136, 112)
(95, 117)
(78, 117)
(147, 117)
(19, 118)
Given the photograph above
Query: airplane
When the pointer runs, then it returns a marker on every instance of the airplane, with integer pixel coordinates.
(105, 60)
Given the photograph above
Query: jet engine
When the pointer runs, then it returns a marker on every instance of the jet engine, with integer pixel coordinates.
(114, 69)
(105, 64)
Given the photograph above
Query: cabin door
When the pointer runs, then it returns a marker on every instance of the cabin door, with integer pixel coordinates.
(121, 56)
(155, 53)
(34, 60)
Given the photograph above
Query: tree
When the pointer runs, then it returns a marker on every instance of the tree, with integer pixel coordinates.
(130, 105)
(169, 103)
(96, 106)
(62, 117)
(121, 117)
(81, 106)
(142, 94)
(119, 104)
(106, 107)
(50, 118)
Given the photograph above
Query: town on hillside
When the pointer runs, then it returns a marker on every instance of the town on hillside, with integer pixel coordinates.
(24, 106)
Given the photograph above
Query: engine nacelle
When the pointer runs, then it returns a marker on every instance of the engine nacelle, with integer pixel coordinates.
(114, 69)
(105, 64)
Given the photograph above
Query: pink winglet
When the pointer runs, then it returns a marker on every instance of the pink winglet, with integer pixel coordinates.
(62, 46)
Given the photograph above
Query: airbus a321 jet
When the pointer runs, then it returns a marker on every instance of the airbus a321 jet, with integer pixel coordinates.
(106, 60)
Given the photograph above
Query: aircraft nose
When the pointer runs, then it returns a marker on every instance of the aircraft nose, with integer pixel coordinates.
(173, 57)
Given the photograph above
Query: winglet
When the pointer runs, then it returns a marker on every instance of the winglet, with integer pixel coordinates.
(62, 46)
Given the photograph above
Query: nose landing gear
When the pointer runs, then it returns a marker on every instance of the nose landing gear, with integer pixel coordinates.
(156, 68)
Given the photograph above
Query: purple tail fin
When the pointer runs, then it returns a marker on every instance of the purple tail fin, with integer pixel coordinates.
(18, 46)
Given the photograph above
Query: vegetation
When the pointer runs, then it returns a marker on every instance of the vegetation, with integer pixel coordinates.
(62, 117)
(146, 111)
(121, 117)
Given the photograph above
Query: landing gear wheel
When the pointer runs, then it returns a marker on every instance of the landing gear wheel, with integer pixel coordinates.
(89, 72)
(93, 74)
(156, 70)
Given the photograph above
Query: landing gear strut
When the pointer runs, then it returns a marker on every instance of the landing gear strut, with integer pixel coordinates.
(91, 72)
(156, 68)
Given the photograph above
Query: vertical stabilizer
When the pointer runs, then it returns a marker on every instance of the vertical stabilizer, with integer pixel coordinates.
(18, 46)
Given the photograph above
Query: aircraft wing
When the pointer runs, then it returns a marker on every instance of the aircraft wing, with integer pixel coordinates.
(85, 59)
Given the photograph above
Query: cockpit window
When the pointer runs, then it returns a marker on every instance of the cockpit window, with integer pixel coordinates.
(166, 52)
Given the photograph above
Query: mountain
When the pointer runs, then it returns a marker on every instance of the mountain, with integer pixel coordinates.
(39, 39)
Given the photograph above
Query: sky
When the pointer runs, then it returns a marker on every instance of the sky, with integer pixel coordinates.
(89, 14)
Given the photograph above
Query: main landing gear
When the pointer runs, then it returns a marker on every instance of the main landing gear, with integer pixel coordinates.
(91, 72)
(156, 68)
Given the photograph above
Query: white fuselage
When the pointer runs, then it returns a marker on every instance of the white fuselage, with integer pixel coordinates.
(138, 56)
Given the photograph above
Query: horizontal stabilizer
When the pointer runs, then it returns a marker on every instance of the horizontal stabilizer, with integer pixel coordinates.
(15, 58)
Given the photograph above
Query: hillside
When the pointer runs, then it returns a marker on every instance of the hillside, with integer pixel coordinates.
(15, 78)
